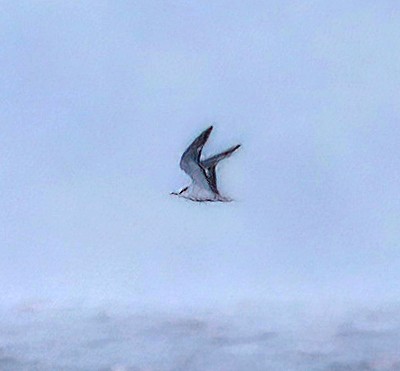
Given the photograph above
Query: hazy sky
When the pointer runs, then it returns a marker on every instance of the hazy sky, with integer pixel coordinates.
(98, 99)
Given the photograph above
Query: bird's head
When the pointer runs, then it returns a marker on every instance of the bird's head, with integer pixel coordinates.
(180, 193)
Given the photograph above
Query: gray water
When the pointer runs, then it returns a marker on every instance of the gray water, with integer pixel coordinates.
(43, 336)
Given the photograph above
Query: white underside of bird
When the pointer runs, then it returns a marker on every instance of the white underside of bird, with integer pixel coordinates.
(196, 193)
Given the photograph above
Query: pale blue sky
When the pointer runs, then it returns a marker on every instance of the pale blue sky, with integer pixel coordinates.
(99, 99)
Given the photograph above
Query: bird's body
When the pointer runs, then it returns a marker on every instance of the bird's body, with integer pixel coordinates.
(202, 172)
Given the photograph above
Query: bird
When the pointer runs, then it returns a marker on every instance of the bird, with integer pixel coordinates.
(203, 187)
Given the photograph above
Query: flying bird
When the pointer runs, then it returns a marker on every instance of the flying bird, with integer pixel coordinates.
(202, 171)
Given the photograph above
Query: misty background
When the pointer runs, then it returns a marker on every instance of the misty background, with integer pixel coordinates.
(98, 100)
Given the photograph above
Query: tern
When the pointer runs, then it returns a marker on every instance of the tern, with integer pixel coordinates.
(202, 171)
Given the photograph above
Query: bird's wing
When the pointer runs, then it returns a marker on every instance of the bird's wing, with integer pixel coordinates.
(212, 178)
(190, 160)
(213, 161)
(210, 164)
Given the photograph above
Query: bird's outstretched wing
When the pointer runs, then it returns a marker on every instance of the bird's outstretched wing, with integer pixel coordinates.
(210, 164)
(190, 161)
(213, 161)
